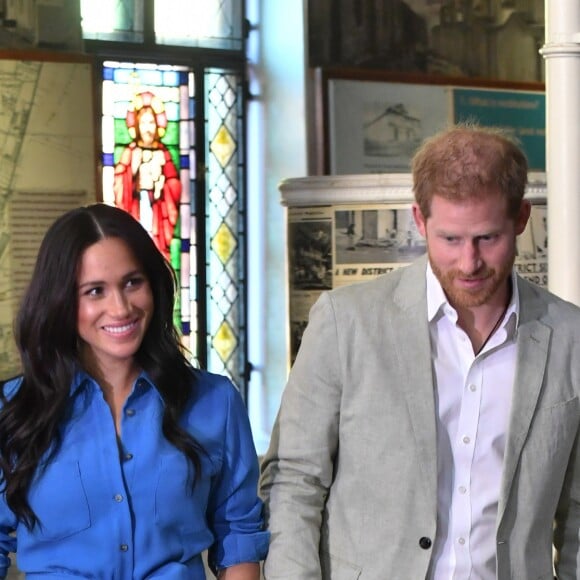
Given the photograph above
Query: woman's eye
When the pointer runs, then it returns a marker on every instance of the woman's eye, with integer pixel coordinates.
(135, 281)
(94, 292)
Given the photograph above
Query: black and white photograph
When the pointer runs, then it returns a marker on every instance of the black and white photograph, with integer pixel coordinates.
(532, 247)
(391, 130)
(376, 236)
(464, 38)
(310, 264)
(375, 127)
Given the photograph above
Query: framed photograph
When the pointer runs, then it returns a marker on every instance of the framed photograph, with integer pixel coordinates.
(436, 37)
(371, 122)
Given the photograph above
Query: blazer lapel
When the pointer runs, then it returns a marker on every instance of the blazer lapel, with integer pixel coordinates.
(414, 354)
(533, 342)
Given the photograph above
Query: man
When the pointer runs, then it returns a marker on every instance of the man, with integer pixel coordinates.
(430, 422)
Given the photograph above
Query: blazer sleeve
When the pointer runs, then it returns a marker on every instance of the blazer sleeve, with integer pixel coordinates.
(297, 470)
(567, 524)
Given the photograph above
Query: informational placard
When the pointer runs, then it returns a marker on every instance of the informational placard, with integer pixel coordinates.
(522, 114)
(376, 126)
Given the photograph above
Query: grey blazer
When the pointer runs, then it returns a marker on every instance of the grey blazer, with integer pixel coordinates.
(350, 478)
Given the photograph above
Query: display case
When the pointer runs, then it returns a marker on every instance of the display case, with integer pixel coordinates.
(344, 229)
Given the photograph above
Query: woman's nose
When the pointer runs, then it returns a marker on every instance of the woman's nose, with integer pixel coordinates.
(119, 304)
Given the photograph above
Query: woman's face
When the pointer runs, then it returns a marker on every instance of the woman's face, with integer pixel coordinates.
(115, 305)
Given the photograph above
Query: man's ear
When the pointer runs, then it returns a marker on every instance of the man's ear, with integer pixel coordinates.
(420, 220)
(523, 216)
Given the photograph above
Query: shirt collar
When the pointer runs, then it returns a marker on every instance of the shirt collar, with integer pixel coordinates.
(82, 379)
(438, 305)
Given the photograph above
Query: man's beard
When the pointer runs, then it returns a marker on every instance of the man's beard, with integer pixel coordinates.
(465, 298)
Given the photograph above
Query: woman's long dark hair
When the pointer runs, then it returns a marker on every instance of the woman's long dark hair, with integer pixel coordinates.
(47, 338)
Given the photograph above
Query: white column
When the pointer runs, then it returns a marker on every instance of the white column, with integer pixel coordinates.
(562, 56)
(277, 127)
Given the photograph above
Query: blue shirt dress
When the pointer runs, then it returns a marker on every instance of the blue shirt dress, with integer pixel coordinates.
(124, 508)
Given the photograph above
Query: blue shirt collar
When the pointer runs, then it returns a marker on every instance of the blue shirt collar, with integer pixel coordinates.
(82, 379)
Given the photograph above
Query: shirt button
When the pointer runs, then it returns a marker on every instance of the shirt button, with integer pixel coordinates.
(130, 412)
(118, 497)
(128, 456)
(124, 547)
(472, 388)
(461, 541)
(425, 543)
(462, 489)
(466, 439)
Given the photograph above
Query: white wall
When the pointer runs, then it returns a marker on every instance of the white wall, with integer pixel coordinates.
(277, 150)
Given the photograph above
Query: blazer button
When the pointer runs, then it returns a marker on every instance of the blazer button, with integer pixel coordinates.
(425, 542)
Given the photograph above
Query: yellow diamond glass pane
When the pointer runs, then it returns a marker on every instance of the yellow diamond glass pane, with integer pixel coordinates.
(223, 146)
(224, 341)
(223, 243)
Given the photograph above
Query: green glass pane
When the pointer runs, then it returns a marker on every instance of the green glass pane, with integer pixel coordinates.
(171, 136)
(121, 132)
(174, 151)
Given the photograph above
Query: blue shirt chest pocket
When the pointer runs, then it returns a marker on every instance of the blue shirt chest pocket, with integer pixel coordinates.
(58, 499)
(178, 504)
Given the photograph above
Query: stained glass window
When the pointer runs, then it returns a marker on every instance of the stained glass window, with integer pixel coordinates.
(149, 169)
(172, 154)
(146, 158)
(225, 219)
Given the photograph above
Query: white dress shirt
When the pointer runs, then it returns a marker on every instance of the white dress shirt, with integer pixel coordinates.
(473, 399)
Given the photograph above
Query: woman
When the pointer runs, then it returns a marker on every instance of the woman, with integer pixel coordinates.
(119, 459)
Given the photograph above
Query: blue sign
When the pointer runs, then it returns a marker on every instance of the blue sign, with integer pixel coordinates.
(520, 113)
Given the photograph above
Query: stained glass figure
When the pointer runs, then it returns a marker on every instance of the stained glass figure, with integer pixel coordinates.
(147, 183)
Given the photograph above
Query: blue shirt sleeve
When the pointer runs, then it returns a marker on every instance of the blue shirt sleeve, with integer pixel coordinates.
(7, 520)
(234, 509)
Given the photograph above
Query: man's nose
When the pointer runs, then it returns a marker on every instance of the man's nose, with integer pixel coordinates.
(470, 258)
